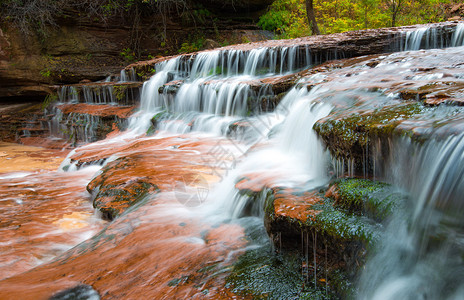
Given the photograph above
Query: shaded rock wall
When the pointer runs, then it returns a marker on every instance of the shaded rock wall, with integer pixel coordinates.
(86, 47)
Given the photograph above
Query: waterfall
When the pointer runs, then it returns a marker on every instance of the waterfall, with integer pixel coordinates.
(293, 157)
(68, 94)
(432, 38)
(421, 254)
(125, 77)
(414, 39)
(151, 101)
(458, 36)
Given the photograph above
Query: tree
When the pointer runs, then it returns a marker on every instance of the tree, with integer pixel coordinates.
(311, 17)
(395, 6)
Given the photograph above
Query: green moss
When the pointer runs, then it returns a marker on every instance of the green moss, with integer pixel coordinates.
(376, 200)
(162, 115)
(146, 73)
(119, 91)
(131, 195)
(345, 133)
(178, 281)
(217, 71)
(343, 226)
(261, 273)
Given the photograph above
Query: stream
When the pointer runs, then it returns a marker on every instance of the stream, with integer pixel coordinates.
(182, 193)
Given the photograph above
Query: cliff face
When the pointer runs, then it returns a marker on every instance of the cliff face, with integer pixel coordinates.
(85, 47)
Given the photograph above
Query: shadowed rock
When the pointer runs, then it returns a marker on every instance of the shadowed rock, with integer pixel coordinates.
(80, 292)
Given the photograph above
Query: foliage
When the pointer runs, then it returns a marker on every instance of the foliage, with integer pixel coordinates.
(49, 99)
(287, 18)
(119, 91)
(128, 54)
(46, 73)
(195, 44)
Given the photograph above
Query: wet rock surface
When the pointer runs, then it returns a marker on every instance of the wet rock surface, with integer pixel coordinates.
(170, 251)
(14, 118)
(325, 235)
(412, 86)
(44, 213)
(104, 111)
(163, 241)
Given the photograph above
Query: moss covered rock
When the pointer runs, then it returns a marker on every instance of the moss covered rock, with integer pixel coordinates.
(331, 229)
(348, 134)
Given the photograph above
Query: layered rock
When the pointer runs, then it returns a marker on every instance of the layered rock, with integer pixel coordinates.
(86, 47)
(413, 101)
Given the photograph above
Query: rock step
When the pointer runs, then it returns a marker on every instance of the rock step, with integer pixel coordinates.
(121, 93)
(33, 129)
(418, 102)
(86, 123)
(314, 50)
(101, 110)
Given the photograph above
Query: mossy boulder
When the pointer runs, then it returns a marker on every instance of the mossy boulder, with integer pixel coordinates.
(333, 228)
(349, 134)
(158, 117)
(376, 200)
(262, 273)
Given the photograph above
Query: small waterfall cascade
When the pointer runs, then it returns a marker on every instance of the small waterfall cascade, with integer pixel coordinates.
(414, 38)
(82, 127)
(458, 36)
(292, 157)
(86, 112)
(127, 75)
(124, 93)
(431, 37)
(284, 139)
(68, 94)
(421, 253)
(215, 90)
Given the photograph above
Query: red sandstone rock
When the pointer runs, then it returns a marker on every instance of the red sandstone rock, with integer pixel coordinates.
(106, 110)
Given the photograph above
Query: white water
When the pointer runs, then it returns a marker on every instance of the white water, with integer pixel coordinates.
(458, 36)
(127, 75)
(432, 38)
(420, 256)
(292, 156)
(414, 39)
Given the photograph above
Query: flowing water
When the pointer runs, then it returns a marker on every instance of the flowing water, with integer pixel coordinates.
(211, 114)
(420, 256)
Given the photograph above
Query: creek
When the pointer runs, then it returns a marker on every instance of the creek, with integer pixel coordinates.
(182, 191)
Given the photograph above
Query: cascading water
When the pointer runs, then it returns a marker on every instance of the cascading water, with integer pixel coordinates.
(458, 36)
(217, 92)
(432, 38)
(421, 253)
(127, 75)
(293, 157)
